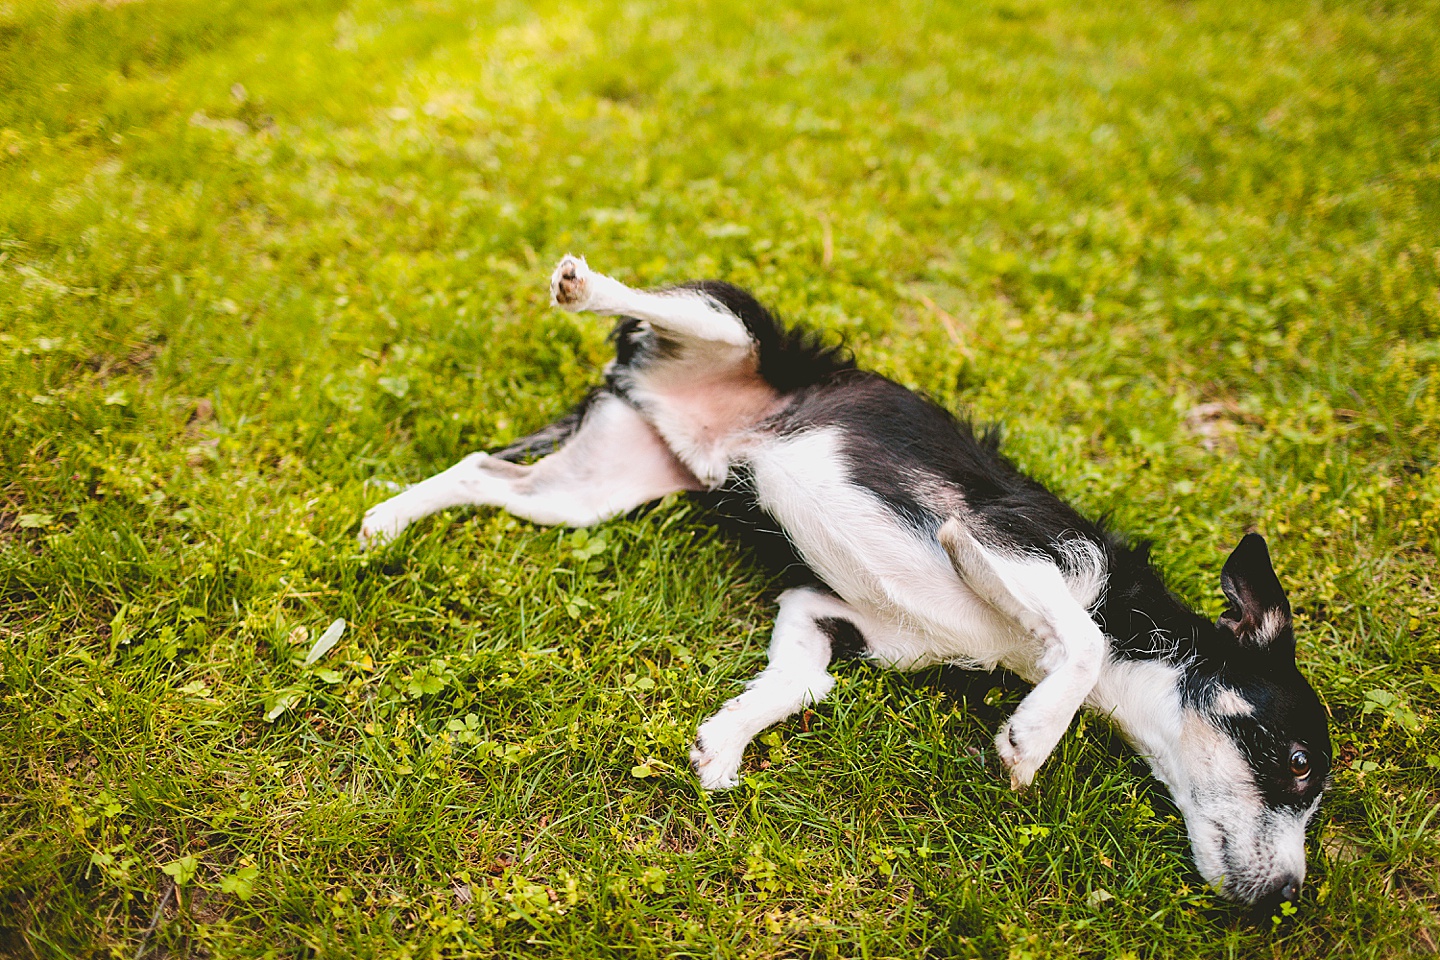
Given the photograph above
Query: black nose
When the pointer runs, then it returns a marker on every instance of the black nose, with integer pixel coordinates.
(1270, 905)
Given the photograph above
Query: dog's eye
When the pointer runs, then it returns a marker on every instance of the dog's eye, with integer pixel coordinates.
(1300, 764)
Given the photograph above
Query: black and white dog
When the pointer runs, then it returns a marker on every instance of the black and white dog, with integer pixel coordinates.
(927, 546)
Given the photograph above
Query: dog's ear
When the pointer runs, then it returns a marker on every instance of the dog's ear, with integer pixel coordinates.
(1259, 614)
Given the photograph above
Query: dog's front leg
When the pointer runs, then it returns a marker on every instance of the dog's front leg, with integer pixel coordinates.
(1071, 658)
(1071, 648)
(796, 677)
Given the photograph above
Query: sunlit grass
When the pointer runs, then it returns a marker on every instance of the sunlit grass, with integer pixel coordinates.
(258, 260)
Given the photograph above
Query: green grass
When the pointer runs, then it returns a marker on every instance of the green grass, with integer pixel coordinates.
(255, 255)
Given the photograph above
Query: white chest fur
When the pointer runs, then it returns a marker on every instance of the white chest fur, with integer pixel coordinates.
(899, 576)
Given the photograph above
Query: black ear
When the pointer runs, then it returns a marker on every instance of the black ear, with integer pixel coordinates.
(1259, 614)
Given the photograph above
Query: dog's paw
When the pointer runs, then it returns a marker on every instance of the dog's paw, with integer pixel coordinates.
(381, 524)
(1019, 755)
(716, 760)
(570, 283)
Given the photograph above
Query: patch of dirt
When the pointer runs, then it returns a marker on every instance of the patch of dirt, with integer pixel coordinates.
(1217, 423)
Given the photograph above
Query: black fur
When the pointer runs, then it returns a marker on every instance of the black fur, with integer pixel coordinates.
(927, 466)
(903, 448)
(920, 460)
(908, 452)
(635, 346)
(790, 357)
(551, 437)
(1278, 693)
(1254, 592)
(1140, 615)
(846, 640)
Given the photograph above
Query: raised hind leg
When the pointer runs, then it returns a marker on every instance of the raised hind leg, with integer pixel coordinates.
(686, 312)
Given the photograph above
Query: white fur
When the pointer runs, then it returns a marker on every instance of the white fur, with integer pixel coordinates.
(1272, 622)
(796, 677)
(1228, 703)
(888, 572)
(1084, 569)
(1071, 649)
(614, 463)
(689, 313)
(1017, 611)
(1241, 846)
(707, 393)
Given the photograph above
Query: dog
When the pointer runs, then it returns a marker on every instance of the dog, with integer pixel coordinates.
(927, 546)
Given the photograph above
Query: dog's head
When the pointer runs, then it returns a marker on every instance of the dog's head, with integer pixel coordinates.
(1253, 752)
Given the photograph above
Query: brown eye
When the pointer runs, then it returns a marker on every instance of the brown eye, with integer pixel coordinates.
(1300, 764)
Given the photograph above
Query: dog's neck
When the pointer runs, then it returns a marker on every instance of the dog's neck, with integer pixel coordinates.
(1155, 641)
(1142, 618)
(1143, 699)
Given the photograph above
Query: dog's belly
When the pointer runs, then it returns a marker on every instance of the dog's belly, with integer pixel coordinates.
(898, 578)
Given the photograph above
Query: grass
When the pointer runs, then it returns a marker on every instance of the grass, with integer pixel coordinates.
(256, 256)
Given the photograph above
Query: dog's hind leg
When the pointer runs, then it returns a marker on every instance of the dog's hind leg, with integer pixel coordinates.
(684, 311)
(552, 436)
(797, 676)
(610, 463)
(1034, 595)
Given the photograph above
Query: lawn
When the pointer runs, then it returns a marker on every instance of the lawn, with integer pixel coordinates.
(261, 261)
